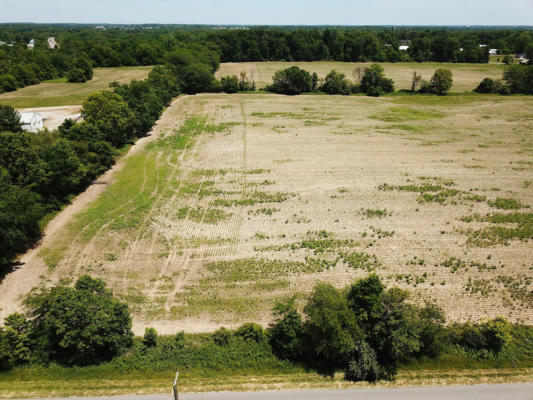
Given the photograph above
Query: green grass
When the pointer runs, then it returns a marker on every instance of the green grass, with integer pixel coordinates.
(58, 92)
(504, 227)
(402, 114)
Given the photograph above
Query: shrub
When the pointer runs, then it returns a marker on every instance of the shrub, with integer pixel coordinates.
(335, 83)
(80, 325)
(374, 91)
(9, 119)
(251, 332)
(364, 365)
(150, 337)
(519, 78)
(222, 337)
(291, 81)
(286, 332)
(76, 75)
(486, 86)
(374, 77)
(230, 84)
(441, 82)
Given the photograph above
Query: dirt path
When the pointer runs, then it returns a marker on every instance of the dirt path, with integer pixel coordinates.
(28, 275)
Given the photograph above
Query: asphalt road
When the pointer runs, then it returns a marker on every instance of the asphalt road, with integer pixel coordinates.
(522, 391)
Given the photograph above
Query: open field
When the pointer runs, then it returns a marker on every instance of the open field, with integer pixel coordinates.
(466, 77)
(240, 200)
(62, 93)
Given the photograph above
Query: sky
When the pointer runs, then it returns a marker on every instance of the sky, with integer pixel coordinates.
(272, 12)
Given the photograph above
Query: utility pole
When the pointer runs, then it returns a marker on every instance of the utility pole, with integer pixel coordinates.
(175, 386)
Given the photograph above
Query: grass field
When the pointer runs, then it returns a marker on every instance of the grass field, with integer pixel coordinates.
(61, 93)
(241, 200)
(466, 76)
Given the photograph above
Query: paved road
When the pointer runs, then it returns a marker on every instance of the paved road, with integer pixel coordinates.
(522, 391)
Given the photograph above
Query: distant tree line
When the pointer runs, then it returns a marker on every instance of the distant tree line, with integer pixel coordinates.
(363, 330)
(517, 79)
(115, 47)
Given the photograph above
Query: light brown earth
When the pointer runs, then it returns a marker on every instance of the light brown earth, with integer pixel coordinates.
(466, 76)
(152, 233)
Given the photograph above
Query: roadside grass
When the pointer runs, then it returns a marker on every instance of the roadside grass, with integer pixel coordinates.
(58, 92)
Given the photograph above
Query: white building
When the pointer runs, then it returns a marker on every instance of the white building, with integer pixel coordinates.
(31, 44)
(31, 122)
(403, 48)
(2, 43)
(52, 44)
(493, 52)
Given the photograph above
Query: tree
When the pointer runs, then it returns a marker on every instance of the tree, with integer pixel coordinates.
(291, 81)
(507, 60)
(84, 64)
(150, 337)
(374, 77)
(251, 332)
(76, 75)
(442, 81)
(230, 84)
(81, 325)
(364, 365)
(221, 337)
(9, 119)
(519, 78)
(486, 86)
(331, 330)
(17, 333)
(111, 115)
(415, 81)
(335, 83)
(286, 331)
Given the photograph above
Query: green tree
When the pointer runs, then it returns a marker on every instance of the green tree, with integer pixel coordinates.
(442, 81)
(111, 115)
(76, 75)
(150, 337)
(374, 77)
(230, 84)
(486, 86)
(291, 81)
(335, 83)
(9, 119)
(17, 333)
(286, 331)
(251, 332)
(331, 330)
(81, 325)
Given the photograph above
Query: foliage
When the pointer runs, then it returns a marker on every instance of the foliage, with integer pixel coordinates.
(9, 119)
(230, 84)
(150, 337)
(374, 83)
(486, 86)
(335, 83)
(222, 337)
(80, 325)
(251, 332)
(286, 331)
(519, 78)
(291, 81)
(441, 82)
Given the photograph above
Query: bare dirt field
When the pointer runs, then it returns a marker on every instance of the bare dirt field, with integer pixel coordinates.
(66, 94)
(241, 200)
(466, 77)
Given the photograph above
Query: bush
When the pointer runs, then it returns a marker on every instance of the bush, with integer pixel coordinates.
(76, 75)
(490, 336)
(374, 77)
(291, 81)
(441, 82)
(374, 91)
(519, 78)
(9, 119)
(335, 83)
(222, 337)
(230, 84)
(486, 86)
(81, 325)
(8, 83)
(364, 365)
(286, 331)
(150, 337)
(251, 332)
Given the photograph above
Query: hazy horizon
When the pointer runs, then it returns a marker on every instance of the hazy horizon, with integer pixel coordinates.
(274, 12)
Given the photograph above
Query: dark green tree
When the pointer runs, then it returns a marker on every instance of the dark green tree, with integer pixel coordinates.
(9, 119)
(291, 81)
(374, 77)
(441, 82)
(150, 337)
(230, 84)
(335, 83)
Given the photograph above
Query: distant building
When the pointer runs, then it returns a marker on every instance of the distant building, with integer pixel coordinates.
(482, 45)
(493, 52)
(403, 48)
(31, 122)
(2, 43)
(52, 44)
(31, 44)
(100, 27)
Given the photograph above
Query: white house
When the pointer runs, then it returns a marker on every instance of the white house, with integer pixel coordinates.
(493, 52)
(52, 44)
(31, 122)
(403, 48)
(31, 44)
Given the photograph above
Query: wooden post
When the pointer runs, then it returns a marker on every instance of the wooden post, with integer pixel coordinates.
(175, 386)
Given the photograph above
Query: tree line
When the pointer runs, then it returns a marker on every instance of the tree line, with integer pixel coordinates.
(364, 330)
(117, 46)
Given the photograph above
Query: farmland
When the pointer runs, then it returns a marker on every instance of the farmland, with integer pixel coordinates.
(237, 201)
(61, 93)
(466, 76)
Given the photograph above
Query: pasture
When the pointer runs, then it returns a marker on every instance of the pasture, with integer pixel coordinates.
(466, 76)
(61, 93)
(237, 201)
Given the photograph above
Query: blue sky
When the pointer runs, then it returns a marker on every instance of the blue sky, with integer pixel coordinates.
(273, 12)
